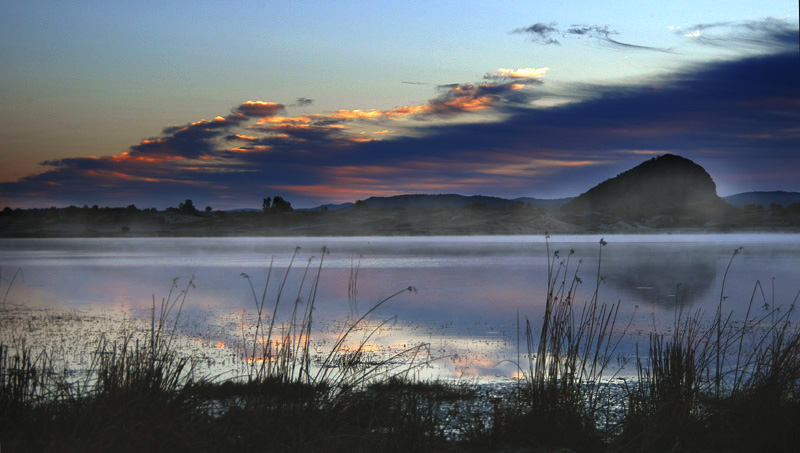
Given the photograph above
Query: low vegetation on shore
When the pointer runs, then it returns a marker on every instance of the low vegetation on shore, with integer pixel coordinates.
(515, 218)
(705, 385)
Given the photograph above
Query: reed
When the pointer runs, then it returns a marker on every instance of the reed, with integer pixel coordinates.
(707, 385)
(561, 395)
(718, 386)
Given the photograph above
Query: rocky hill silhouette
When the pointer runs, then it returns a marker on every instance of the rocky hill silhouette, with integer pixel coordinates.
(666, 189)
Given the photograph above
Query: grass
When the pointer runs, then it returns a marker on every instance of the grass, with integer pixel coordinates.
(707, 385)
(560, 399)
(721, 386)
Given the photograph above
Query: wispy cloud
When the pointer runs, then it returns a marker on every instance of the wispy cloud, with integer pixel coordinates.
(771, 33)
(301, 102)
(529, 74)
(604, 35)
(542, 33)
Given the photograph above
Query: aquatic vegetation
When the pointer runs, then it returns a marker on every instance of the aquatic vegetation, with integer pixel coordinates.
(716, 384)
(721, 386)
(559, 401)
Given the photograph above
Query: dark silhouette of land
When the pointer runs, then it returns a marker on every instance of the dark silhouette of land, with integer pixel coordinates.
(764, 199)
(664, 194)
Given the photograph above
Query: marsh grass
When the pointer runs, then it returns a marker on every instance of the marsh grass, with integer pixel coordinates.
(559, 401)
(718, 385)
(140, 394)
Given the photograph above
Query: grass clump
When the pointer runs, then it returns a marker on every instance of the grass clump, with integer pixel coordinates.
(561, 397)
(722, 386)
(140, 394)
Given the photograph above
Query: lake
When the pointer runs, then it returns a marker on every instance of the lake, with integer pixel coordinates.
(472, 294)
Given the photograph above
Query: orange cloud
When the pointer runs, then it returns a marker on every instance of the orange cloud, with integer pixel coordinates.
(358, 114)
(335, 192)
(289, 127)
(108, 174)
(127, 156)
(260, 108)
(152, 141)
(284, 119)
(251, 149)
(408, 110)
(470, 104)
(242, 137)
(533, 167)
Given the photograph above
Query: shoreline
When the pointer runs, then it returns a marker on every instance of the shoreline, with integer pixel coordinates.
(115, 223)
(91, 234)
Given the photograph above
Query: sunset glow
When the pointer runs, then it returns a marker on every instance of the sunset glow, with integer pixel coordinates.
(522, 104)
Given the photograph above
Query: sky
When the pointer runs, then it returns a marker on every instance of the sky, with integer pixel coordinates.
(228, 102)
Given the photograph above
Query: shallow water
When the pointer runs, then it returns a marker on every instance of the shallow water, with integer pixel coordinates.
(470, 291)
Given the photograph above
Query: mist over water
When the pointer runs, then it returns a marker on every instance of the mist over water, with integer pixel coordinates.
(469, 289)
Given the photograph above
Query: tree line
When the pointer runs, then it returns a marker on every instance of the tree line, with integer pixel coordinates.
(270, 205)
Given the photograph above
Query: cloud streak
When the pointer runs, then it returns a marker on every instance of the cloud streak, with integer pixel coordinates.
(604, 35)
(541, 33)
(753, 35)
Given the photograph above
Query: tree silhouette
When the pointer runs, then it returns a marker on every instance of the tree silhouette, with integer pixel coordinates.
(187, 207)
(281, 205)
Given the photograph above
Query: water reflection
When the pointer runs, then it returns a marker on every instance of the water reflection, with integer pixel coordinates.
(471, 290)
(663, 276)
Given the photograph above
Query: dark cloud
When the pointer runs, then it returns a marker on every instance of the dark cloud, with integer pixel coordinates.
(604, 34)
(448, 86)
(301, 102)
(543, 34)
(189, 141)
(540, 33)
(589, 30)
(260, 108)
(737, 118)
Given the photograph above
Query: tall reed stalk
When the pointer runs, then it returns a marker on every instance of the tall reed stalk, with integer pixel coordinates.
(719, 386)
(287, 356)
(562, 394)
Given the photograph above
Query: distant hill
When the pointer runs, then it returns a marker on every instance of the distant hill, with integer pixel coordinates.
(440, 201)
(667, 185)
(553, 203)
(763, 198)
(330, 207)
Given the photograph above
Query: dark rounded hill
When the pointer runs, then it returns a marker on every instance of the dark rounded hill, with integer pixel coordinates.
(667, 185)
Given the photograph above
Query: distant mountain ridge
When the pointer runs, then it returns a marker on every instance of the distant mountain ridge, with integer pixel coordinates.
(440, 201)
(763, 198)
(667, 185)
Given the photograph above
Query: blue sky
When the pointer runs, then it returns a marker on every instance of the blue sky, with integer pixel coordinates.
(319, 102)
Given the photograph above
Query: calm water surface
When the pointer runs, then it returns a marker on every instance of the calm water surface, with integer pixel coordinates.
(470, 291)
